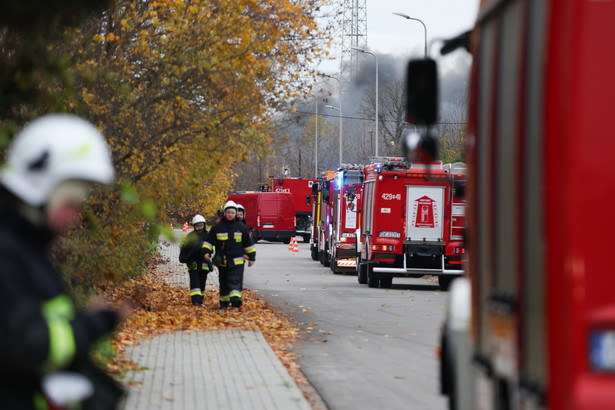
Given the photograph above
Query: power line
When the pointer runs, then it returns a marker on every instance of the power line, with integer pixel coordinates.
(366, 119)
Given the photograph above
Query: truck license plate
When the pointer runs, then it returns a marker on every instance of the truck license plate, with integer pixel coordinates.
(602, 350)
(267, 225)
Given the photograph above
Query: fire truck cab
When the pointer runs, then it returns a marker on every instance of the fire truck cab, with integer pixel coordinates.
(345, 204)
(406, 228)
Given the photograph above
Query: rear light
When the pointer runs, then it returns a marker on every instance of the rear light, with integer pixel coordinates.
(385, 248)
(460, 250)
(258, 221)
(295, 221)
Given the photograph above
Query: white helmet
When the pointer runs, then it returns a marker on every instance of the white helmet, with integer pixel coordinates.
(230, 204)
(197, 219)
(53, 149)
(241, 208)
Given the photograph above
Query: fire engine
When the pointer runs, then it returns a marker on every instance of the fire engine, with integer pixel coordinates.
(532, 326)
(345, 198)
(324, 224)
(300, 189)
(315, 201)
(408, 228)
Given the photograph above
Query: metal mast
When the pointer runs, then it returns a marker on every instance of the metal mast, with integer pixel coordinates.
(354, 34)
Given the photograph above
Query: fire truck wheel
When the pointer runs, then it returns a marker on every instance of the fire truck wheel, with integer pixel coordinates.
(326, 260)
(314, 253)
(445, 281)
(386, 283)
(362, 272)
(372, 282)
(333, 265)
(321, 258)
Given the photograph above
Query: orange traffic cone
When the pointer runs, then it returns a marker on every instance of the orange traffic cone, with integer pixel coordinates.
(294, 247)
(185, 229)
(171, 226)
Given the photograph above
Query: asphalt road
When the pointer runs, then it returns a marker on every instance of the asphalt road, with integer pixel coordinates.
(361, 348)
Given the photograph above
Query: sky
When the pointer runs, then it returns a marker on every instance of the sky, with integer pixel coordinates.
(394, 35)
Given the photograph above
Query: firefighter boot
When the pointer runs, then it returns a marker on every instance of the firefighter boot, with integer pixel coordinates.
(224, 302)
(236, 301)
(197, 300)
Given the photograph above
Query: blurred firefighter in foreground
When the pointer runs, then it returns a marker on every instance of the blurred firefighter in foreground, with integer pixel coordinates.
(44, 342)
(233, 246)
(190, 254)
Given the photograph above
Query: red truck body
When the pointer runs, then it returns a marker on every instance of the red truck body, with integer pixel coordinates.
(347, 191)
(301, 190)
(270, 215)
(407, 224)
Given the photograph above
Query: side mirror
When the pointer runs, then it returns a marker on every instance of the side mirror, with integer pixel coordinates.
(422, 92)
(315, 189)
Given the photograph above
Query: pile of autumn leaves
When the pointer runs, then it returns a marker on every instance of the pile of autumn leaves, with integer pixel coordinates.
(161, 308)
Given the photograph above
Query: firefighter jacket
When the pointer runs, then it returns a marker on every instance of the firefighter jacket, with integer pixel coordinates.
(40, 330)
(191, 251)
(231, 241)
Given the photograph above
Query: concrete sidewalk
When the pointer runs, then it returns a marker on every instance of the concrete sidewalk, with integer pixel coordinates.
(226, 369)
(233, 369)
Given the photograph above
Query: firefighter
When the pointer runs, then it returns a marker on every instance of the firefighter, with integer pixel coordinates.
(231, 240)
(44, 341)
(241, 213)
(190, 254)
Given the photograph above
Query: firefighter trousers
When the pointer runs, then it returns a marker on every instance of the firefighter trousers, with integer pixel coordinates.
(198, 279)
(231, 285)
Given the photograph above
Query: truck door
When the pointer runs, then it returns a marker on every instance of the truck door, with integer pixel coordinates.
(424, 213)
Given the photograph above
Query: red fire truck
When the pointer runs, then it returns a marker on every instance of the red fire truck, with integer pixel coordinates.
(346, 194)
(407, 226)
(324, 224)
(536, 327)
(300, 189)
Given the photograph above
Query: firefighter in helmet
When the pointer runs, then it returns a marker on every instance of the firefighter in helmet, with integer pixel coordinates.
(231, 240)
(45, 342)
(241, 213)
(190, 254)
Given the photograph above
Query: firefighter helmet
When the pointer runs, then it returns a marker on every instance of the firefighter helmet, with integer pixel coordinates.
(230, 204)
(242, 209)
(198, 219)
(52, 150)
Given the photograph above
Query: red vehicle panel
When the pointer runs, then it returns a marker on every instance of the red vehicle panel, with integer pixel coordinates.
(407, 223)
(300, 189)
(270, 215)
(345, 218)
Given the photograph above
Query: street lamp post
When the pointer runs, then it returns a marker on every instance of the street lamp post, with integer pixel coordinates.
(340, 110)
(407, 17)
(376, 57)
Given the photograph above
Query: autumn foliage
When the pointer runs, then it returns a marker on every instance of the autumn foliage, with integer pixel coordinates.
(182, 89)
(161, 308)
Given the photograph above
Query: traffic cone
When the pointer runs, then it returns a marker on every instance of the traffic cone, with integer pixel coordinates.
(185, 229)
(171, 226)
(294, 247)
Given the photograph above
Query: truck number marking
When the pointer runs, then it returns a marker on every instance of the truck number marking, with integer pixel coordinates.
(391, 197)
